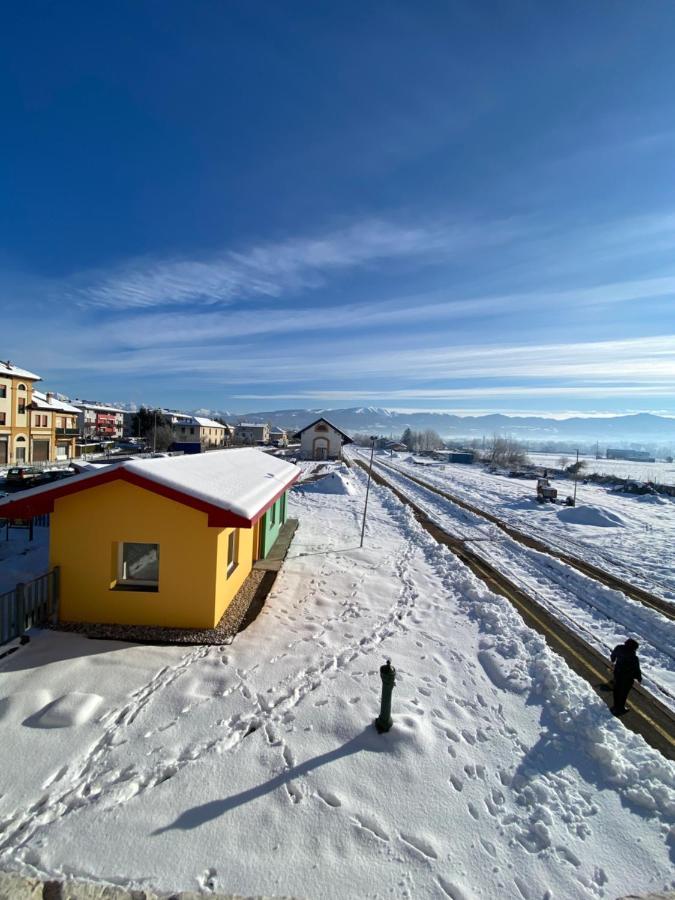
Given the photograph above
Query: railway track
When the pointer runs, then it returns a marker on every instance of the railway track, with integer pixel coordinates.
(648, 716)
(606, 578)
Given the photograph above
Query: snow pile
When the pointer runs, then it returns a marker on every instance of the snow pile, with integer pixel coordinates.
(332, 483)
(590, 515)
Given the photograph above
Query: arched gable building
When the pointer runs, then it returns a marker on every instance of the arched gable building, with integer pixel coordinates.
(322, 440)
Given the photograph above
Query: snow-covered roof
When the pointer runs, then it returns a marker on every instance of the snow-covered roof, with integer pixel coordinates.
(243, 483)
(8, 368)
(344, 434)
(207, 423)
(278, 431)
(42, 401)
(251, 424)
(99, 407)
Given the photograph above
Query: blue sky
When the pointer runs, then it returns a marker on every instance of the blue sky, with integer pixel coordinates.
(423, 205)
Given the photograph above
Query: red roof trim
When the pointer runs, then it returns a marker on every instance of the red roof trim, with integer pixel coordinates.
(39, 504)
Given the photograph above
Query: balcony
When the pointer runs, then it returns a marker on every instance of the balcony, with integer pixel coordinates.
(67, 432)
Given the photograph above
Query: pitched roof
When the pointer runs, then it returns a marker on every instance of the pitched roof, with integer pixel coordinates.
(348, 440)
(235, 487)
(8, 368)
(207, 423)
(42, 401)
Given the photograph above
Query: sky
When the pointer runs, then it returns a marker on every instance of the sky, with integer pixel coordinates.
(243, 206)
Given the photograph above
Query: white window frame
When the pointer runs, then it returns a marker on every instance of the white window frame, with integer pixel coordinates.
(134, 582)
(233, 560)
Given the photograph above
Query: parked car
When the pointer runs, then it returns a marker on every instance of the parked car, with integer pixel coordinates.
(21, 474)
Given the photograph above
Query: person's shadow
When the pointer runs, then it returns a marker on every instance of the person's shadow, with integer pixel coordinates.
(368, 740)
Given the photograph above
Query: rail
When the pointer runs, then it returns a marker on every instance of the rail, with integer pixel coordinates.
(651, 718)
(31, 603)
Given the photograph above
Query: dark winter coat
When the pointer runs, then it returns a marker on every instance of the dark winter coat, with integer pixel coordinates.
(626, 664)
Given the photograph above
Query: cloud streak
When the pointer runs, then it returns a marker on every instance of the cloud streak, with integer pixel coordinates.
(269, 270)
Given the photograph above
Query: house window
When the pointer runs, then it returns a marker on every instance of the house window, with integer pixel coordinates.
(3, 418)
(232, 551)
(21, 387)
(138, 565)
(3, 391)
(273, 514)
(22, 406)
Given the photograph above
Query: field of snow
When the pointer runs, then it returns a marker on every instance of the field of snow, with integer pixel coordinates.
(659, 472)
(254, 767)
(630, 536)
(602, 616)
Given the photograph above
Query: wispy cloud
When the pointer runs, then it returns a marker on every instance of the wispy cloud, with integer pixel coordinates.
(269, 270)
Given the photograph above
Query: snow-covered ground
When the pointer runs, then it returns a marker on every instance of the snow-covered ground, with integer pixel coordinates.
(602, 616)
(630, 536)
(255, 767)
(660, 472)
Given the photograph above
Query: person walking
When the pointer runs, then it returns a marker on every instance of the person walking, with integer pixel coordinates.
(626, 670)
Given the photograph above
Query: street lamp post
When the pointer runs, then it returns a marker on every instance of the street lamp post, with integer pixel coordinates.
(373, 438)
(576, 475)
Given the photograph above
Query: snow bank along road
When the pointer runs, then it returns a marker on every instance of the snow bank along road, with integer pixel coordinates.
(581, 619)
(255, 767)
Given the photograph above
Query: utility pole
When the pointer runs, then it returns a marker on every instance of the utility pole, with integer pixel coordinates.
(576, 475)
(370, 470)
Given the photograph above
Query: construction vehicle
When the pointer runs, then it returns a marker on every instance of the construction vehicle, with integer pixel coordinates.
(545, 491)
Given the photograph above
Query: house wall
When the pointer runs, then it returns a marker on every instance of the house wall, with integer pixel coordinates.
(226, 588)
(269, 530)
(86, 528)
(15, 431)
(310, 439)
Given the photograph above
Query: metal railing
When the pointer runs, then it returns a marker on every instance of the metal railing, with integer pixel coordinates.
(31, 603)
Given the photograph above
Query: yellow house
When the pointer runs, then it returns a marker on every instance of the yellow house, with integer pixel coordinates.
(53, 428)
(16, 394)
(164, 541)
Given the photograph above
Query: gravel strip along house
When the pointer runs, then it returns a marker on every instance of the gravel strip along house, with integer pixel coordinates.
(164, 541)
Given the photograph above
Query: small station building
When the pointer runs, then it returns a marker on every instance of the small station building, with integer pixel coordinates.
(322, 440)
(165, 541)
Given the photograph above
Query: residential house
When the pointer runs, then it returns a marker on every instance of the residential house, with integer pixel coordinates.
(208, 433)
(279, 437)
(96, 420)
(53, 428)
(165, 541)
(252, 433)
(322, 440)
(16, 394)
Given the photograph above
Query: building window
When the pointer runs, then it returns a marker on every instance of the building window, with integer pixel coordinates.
(138, 566)
(3, 418)
(3, 391)
(273, 514)
(21, 387)
(21, 409)
(232, 551)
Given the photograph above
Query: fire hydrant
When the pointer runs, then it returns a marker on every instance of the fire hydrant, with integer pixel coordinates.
(388, 676)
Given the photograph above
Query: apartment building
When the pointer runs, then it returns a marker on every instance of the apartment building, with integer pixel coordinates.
(16, 395)
(252, 433)
(53, 428)
(197, 429)
(96, 420)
